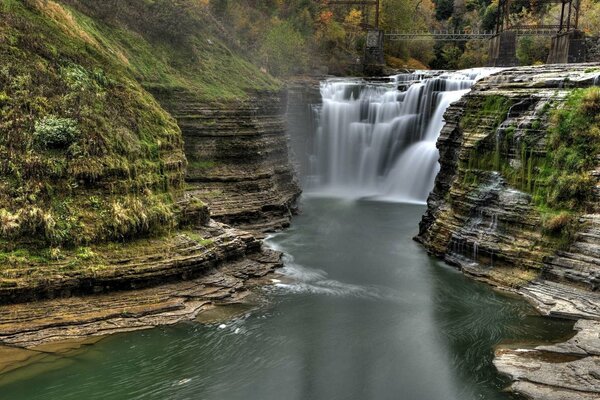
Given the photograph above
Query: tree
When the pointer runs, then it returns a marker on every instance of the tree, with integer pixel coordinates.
(533, 50)
(283, 50)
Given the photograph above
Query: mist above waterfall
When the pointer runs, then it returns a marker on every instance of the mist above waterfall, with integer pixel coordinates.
(379, 139)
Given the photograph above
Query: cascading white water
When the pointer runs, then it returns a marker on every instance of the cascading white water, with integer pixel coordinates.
(375, 140)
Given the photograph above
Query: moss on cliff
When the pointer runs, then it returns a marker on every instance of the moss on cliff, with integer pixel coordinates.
(573, 150)
(86, 153)
(550, 157)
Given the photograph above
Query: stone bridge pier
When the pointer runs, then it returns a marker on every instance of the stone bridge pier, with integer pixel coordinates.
(503, 50)
(568, 47)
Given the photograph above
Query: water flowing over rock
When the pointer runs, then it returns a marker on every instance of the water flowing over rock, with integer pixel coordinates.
(378, 139)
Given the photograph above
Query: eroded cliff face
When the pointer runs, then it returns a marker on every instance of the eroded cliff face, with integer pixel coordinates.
(482, 214)
(498, 214)
(93, 167)
(238, 159)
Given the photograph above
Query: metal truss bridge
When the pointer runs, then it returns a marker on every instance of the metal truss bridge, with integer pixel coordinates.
(463, 36)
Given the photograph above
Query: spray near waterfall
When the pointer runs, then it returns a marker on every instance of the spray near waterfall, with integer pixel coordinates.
(378, 140)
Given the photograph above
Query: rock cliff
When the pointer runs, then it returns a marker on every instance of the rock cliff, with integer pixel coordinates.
(507, 207)
(238, 161)
(120, 139)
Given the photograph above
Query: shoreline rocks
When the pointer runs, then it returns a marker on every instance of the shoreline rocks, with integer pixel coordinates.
(29, 325)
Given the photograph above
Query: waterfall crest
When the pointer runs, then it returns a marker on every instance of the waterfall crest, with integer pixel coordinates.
(379, 139)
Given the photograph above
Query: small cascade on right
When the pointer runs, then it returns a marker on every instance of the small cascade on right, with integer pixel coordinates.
(378, 140)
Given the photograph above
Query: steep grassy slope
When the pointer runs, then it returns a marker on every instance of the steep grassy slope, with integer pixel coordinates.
(89, 160)
(87, 154)
(171, 45)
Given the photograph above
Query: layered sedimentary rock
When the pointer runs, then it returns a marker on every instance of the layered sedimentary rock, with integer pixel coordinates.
(238, 157)
(482, 216)
(304, 96)
(30, 325)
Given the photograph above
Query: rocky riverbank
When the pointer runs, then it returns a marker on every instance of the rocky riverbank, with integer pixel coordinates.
(483, 218)
(108, 179)
(30, 325)
(163, 283)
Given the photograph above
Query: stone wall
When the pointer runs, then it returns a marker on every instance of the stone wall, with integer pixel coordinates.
(503, 50)
(569, 47)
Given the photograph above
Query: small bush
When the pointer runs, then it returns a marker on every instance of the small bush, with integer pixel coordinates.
(56, 133)
(9, 223)
(572, 190)
(557, 223)
(590, 103)
(86, 253)
(4, 99)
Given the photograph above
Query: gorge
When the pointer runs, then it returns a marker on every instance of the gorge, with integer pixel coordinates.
(150, 247)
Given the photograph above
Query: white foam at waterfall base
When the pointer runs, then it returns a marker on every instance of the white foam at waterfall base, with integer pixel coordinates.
(377, 141)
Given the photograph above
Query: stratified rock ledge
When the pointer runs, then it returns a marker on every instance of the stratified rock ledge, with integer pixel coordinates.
(565, 371)
(30, 325)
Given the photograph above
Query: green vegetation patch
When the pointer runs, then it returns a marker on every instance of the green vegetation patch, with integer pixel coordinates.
(491, 112)
(558, 177)
(171, 46)
(86, 154)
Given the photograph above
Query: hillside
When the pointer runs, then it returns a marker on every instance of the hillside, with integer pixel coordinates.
(89, 157)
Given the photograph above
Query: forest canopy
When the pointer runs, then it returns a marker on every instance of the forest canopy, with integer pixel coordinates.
(293, 36)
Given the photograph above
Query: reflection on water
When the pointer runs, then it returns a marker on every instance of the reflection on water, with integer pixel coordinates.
(368, 315)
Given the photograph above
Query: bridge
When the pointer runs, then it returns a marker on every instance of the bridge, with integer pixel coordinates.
(568, 43)
(466, 35)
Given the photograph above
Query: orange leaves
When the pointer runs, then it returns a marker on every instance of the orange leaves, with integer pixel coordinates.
(325, 17)
(354, 17)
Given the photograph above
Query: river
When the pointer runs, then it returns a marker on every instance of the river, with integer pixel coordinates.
(369, 315)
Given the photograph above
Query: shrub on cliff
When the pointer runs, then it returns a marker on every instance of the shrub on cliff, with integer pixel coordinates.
(573, 150)
(557, 223)
(53, 132)
(283, 50)
(590, 102)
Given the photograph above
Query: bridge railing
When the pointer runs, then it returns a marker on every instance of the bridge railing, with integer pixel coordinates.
(454, 35)
(465, 35)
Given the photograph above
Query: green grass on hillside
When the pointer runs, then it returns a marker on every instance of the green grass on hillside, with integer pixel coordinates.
(86, 154)
(191, 56)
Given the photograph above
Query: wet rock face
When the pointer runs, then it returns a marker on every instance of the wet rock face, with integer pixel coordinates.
(482, 218)
(476, 218)
(304, 99)
(238, 157)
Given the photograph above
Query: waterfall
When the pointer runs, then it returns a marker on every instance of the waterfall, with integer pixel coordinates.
(379, 139)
